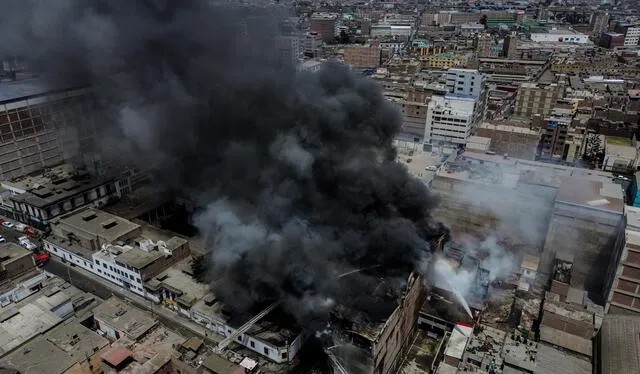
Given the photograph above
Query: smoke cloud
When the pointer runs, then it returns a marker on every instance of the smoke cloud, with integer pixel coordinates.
(293, 172)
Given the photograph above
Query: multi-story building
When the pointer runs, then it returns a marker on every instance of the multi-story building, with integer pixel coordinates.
(624, 274)
(40, 128)
(311, 44)
(465, 82)
(514, 141)
(363, 56)
(486, 46)
(510, 47)
(289, 48)
(533, 99)
(324, 24)
(38, 199)
(611, 40)
(631, 33)
(450, 119)
(599, 23)
(114, 249)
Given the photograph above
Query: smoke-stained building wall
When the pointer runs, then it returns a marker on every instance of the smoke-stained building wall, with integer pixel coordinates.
(380, 351)
(586, 220)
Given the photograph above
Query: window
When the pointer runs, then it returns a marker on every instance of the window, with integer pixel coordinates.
(111, 268)
(99, 271)
(104, 265)
(252, 344)
(266, 351)
(97, 262)
(138, 280)
(284, 355)
(239, 338)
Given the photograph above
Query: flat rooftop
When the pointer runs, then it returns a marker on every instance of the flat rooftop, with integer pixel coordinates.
(20, 324)
(59, 190)
(177, 278)
(599, 195)
(96, 223)
(124, 317)
(10, 252)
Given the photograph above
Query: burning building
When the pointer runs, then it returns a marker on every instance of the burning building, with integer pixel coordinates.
(364, 345)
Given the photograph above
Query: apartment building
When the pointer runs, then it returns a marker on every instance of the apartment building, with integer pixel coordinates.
(324, 24)
(533, 99)
(631, 33)
(450, 119)
(363, 56)
(465, 82)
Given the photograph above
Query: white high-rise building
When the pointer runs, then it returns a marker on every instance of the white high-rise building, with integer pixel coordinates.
(632, 36)
(450, 119)
(465, 82)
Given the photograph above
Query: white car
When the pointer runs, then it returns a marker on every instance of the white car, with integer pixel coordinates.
(20, 227)
(7, 224)
(2, 239)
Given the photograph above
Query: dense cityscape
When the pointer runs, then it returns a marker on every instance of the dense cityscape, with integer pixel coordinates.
(304, 186)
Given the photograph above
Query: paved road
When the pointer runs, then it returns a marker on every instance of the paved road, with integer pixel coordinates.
(10, 234)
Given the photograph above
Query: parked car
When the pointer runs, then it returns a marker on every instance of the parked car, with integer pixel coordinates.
(7, 224)
(20, 227)
(25, 242)
(2, 239)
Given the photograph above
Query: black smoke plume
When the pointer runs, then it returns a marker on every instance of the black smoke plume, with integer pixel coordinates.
(293, 172)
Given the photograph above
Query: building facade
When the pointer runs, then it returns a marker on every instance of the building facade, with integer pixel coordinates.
(533, 99)
(113, 248)
(624, 283)
(37, 200)
(363, 56)
(450, 120)
(324, 24)
(465, 82)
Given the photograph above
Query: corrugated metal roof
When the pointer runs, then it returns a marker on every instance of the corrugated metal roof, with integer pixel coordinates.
(116, 355)
(620, 345)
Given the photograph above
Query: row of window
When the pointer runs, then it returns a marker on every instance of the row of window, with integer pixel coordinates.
(456, 120)
(118, 271)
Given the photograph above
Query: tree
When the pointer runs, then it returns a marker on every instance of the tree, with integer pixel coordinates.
(593, 150)
(200, 268)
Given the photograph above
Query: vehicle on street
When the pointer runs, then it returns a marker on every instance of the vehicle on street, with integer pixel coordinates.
(2, 239)
(25, 242)
(41, 258)
(7, 224)
(20, 226)
(30, 232)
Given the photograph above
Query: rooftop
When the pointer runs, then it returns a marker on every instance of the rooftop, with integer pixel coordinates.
(599, 195)
(59, 190)
(551, 360)
(620, 343)
(123, 317)
(96, 223)
(21, 89)
(458, 341)
(10, 252)
(177, 277)
(219, 365)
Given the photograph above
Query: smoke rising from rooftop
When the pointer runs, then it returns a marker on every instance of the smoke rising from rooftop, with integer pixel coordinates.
(293, 172)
